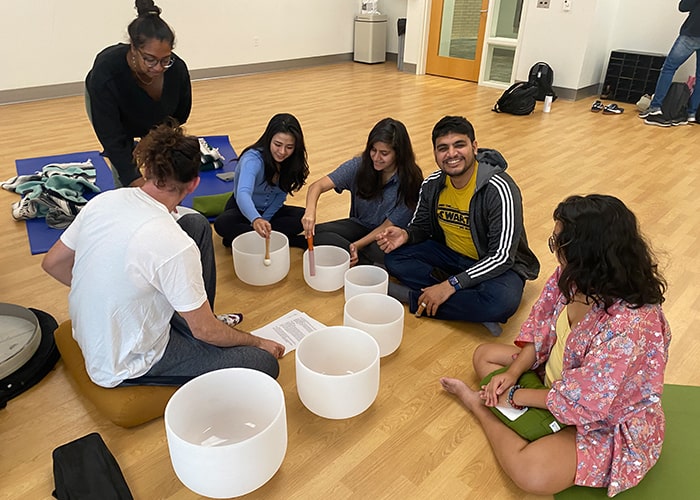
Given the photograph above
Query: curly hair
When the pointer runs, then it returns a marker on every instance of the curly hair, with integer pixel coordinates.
(369, 181)
(294, 170)
(604, 255)
(149, 25)
(168, 157)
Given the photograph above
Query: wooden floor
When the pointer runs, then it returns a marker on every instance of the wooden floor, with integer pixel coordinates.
(415, 441)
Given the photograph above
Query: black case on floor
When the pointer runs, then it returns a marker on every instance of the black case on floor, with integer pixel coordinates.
(85, 469)
(38, 366)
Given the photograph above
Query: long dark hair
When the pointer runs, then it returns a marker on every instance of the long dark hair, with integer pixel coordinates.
(149, 25)
(604, 254)
(369, 181)
(168, 157)
(295, 169)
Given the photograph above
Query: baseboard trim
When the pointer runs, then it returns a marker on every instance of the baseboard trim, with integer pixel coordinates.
(78, 88)
(576, 94)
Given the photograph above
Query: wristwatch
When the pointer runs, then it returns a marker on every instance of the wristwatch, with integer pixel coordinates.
(452, 280)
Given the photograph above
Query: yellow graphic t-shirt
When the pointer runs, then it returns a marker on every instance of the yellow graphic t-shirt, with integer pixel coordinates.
(453, 216)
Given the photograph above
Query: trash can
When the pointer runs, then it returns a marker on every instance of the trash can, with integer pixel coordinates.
(370, 38)
(401, 27)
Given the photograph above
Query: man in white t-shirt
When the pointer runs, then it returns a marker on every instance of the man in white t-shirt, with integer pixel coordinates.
(142, 284)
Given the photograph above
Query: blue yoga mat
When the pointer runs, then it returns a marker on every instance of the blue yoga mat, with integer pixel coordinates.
(209, 183)
(42, 237)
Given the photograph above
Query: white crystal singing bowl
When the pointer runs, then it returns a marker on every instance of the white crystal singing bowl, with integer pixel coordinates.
(379, 315)
(249, 257)
(331, 264)
(227, 431)
(365, 279)
(337, 371)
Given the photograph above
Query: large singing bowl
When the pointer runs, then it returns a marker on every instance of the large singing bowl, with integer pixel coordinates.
(227, 432)
(249, 258)
(337, 371)
(330, 266)
(379, 315)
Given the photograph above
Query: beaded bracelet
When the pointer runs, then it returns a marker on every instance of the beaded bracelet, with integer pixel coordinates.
(511, 403)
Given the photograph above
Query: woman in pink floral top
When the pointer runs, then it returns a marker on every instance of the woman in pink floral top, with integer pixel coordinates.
(612, 370)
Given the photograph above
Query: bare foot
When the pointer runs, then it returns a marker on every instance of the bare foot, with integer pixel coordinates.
(466, 395)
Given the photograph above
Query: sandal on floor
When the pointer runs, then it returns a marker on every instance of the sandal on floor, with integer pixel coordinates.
(597, 106)
(613, 109)
(231, 319)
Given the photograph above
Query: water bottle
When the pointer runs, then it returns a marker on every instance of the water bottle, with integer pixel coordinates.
(548, 103)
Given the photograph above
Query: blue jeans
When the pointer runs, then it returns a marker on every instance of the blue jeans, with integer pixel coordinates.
(683, 48)
(418, 266)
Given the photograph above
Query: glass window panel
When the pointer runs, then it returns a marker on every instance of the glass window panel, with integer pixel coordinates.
(507, 22)
(500, 64)
(460, 28)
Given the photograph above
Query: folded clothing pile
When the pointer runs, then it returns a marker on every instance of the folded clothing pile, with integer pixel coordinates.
(57, 192)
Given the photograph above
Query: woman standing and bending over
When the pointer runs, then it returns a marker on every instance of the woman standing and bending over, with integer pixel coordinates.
(383, 183)
(267, 172)
(133, 87)
(598, 338)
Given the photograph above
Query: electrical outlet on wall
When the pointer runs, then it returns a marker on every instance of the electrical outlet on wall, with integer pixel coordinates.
(566, 6)
(543, 4)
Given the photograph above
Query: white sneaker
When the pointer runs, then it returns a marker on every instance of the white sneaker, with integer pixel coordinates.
(691, 119)
(231, 319)
(24, 209)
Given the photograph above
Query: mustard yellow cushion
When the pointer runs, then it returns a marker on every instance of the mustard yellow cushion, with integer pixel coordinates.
(124, 406)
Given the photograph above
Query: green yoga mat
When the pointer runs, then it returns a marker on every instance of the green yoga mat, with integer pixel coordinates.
(675, 475)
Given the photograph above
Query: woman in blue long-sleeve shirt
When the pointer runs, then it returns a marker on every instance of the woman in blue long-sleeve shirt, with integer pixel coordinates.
(267, 171)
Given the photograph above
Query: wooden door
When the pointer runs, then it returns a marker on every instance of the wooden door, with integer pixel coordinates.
(456, 38)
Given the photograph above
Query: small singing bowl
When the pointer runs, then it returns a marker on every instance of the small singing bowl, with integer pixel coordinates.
(249, 258)
(330, 266)
(365, 279)
(379, 315)
(337, 371)
(227, 432)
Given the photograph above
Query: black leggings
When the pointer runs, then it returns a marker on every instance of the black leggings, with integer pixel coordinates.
(231, 223)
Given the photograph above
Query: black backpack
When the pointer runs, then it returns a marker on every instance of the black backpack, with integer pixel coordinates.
(675, 105)
(542, 76)
(518, 99)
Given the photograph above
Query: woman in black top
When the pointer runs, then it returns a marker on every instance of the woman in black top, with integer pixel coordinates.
(132, 88)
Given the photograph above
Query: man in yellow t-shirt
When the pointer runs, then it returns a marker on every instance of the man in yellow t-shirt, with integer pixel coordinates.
(464, 255)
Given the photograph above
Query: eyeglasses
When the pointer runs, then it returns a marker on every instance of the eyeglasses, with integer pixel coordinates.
(554, 244)
(152, 62)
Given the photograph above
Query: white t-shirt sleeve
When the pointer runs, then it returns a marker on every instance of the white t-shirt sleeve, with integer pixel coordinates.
(70, 235)
(180, 280)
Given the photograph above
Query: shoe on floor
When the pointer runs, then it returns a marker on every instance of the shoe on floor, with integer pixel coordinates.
(613, 109)
(650, 112)
(24, 209)
(597, 106)
(680, 121)
(691, 119)
(657, 120)
(231, 319)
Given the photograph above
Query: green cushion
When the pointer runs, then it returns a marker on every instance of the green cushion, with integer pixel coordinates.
(675, 473)
(210, 205)
(535, 422)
